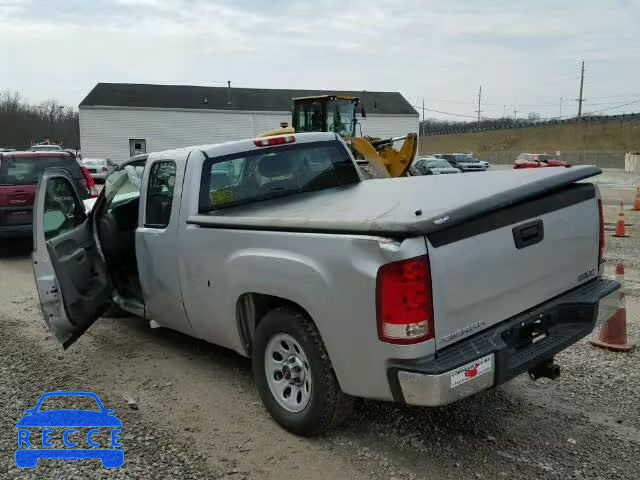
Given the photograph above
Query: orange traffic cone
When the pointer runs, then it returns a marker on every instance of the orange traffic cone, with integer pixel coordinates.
(620, 224)
(627, 223)
(613, 333)
(636, 204)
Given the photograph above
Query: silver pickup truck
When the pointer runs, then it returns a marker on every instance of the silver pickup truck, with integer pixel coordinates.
(421, 290)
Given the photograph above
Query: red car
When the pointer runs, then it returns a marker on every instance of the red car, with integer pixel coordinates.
(538, 160)
(19, 174)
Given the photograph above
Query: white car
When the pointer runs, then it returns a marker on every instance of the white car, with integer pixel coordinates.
(99, 168)
(45, 148)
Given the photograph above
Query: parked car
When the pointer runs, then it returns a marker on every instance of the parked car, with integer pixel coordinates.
(435, 166)
(45, 147)
(335, 286)
(99, 168)
(538, 160)
(464, 162)
(19, 173)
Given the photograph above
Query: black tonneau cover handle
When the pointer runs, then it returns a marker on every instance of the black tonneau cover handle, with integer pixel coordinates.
(528, 234)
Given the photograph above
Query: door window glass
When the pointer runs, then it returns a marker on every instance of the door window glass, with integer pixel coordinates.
(309, 117)
(162, 180)
(123, 186)
(63, 211)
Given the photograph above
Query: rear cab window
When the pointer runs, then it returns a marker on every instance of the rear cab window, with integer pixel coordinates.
(273, 172)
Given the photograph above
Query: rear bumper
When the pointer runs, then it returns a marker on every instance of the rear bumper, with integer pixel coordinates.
(496, 355)
(16, 231)
(99, 176)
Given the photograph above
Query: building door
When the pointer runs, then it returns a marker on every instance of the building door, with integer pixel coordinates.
(137, 146)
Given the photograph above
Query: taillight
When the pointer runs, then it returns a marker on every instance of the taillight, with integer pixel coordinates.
(403, 301)
(601, 233)
(270, 141)
(89, 183)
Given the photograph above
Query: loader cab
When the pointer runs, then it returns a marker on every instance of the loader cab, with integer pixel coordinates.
(326, 113)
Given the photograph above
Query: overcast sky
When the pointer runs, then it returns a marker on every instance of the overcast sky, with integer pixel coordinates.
(525, 54)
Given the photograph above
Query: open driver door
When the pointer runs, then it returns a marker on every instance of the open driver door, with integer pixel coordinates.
(70, 273)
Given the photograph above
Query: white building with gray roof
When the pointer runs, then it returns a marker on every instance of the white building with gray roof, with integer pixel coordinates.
(119, 120)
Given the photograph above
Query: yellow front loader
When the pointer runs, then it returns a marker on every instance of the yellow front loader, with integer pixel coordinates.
(335, 113)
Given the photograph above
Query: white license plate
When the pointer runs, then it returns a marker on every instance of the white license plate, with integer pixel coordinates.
(471, 370)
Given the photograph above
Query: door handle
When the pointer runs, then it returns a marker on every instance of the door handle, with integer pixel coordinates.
(528, 234)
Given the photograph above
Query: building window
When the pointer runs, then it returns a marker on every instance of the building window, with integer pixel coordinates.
(137, 146)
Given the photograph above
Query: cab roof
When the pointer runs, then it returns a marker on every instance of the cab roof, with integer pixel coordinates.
(238, 146)
(28, 154)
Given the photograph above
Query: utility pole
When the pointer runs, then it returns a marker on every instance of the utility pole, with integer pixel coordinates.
(515, 114)
(580, 99)
(479, 111)
(422, 129)
(504, 111)
(560, 116)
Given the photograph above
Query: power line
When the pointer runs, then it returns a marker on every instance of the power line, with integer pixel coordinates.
(445, 113)
(615, 107)
(515, 111)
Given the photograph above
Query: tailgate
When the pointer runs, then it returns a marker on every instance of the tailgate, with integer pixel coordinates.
(504, 262)
(16, 203)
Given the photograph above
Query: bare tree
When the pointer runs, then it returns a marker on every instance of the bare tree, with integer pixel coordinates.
(22, 124)
(10, 101)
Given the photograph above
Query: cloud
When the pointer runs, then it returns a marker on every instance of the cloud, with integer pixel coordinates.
(522, 53)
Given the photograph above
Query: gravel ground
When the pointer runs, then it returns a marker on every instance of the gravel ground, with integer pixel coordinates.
(625, 250)
(199, 416)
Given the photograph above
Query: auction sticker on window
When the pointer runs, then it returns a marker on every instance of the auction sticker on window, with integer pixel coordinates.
(470, 371)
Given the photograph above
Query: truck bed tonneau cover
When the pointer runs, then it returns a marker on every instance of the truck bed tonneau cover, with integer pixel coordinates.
(396, 207)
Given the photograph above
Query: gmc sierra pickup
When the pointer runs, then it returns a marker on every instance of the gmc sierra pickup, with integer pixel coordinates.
(421, 290)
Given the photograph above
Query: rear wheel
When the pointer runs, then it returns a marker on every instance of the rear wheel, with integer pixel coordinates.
(294, 376)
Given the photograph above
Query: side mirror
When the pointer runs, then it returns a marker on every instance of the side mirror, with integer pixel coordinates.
(109, 411)
(30, 410)
(53, 220)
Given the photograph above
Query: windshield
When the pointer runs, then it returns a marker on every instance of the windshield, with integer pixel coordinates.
(94, 161)
(27, 170)
(466, 159)
(438, 163)
(340, 117)
(274, 172)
